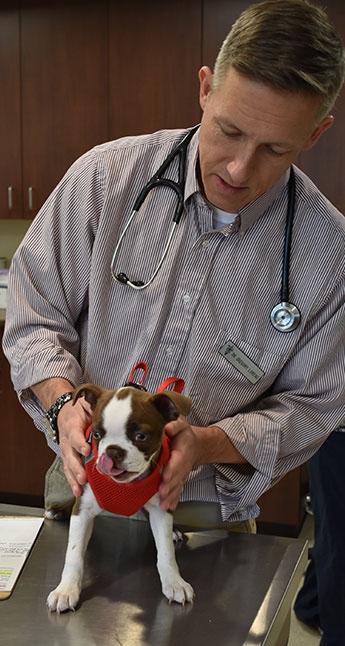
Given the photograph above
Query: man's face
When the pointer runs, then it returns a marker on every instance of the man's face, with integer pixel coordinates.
(250, 134)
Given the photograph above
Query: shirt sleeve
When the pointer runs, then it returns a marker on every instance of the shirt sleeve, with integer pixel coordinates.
(304, 405)
(48, 285)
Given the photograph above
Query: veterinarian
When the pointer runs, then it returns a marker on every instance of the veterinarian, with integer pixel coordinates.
(262, 357)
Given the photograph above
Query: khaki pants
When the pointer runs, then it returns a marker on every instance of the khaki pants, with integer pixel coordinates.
(57, 489)
(189, 516)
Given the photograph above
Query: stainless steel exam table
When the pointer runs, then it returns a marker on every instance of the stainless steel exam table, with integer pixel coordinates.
(244, 586)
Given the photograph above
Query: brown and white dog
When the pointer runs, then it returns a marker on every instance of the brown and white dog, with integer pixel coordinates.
(128, 428)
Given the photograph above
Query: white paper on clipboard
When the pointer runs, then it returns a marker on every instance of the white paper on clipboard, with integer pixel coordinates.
(17, 536)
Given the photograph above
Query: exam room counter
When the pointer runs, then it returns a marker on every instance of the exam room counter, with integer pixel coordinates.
(244, 585)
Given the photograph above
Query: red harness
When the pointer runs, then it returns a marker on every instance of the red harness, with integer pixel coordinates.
(128, 497)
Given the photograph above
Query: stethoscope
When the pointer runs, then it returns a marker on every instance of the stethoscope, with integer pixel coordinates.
(285, 316)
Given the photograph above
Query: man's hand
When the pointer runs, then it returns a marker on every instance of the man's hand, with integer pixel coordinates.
(183, 455)
(72, 421)
(191, 446)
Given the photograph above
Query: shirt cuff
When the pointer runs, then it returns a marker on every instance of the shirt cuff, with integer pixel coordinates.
(240, 485)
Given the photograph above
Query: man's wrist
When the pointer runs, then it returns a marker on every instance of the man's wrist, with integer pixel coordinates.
(214, 446)
(49, 390)
(52, 395)
(52, 415)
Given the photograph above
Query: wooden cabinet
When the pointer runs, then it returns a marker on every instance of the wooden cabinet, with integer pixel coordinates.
(54, 65)
(10, 116)
(154, 58)
(75, 74)
(63, 90)
(282, 508)
(79, 73)
(25, 456)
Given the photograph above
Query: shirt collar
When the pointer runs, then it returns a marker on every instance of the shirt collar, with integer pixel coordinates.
(248, 214)
(192, 184)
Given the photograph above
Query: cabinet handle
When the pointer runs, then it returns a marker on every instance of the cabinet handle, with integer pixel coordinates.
(30, 198)
(10, 197)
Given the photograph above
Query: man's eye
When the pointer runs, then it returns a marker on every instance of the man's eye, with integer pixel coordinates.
(230, 135)
(276, 153)
(140, 437)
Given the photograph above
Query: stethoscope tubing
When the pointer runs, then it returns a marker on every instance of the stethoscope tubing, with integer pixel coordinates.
(155, 182)
(122, 278)
(285, 316)
(284, 293)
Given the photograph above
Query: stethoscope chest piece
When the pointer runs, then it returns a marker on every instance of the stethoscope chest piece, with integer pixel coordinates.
(285, 317)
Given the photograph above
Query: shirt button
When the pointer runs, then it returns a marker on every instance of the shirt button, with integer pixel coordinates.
(169, 350)
(186, 298)
(205, 244)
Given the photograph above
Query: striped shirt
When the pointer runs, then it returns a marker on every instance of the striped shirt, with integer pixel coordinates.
(206, 313)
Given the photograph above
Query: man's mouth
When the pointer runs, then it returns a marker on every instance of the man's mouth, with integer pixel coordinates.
(230, 189)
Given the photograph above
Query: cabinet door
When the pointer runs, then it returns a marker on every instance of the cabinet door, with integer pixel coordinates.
(154, 58)
(10, 132)
(218, 18)
(64, 90)
(25, 455)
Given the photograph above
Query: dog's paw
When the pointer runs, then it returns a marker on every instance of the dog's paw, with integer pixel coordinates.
(177, 589)
(64, 597)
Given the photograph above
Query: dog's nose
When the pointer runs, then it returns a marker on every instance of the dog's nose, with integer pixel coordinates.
(116, 453)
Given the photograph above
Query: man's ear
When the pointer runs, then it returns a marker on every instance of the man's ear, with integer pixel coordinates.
(320, 128)
(205, 78)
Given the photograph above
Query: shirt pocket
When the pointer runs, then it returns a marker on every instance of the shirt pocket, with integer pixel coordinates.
(231, 377)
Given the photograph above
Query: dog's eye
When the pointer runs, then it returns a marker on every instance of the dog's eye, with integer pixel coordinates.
(140, 437)
(96, 435)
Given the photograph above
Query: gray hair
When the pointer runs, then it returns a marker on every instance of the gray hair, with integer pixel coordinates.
(288, 44)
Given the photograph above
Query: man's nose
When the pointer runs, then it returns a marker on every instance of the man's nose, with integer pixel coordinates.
(240, 167)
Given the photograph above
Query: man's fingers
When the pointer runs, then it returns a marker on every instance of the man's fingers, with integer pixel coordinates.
(74, 470)
(72, 460)
(72, 422)
(173, 478)
(173, 428)
(180, 464)
(169, 501)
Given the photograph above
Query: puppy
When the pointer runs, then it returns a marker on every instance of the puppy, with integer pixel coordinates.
(127, 434)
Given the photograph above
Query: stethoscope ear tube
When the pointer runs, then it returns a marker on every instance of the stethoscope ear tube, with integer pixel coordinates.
(285, 316)
(155, 182)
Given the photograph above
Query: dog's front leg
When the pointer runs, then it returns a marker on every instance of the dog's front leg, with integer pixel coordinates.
(66, 595)
(174, 587)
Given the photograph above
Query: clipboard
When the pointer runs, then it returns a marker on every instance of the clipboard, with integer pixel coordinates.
(17, 537)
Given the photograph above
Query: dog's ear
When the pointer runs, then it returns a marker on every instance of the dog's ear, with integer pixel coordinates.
(91, 392)
(171, 404)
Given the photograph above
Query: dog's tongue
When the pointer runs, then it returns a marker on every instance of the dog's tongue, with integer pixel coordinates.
(105, 466)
